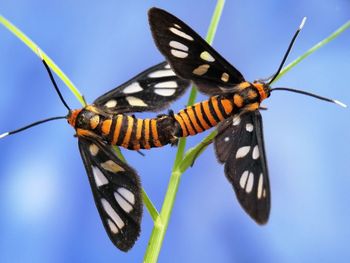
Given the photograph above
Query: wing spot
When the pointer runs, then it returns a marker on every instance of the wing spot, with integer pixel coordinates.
(250, 183)
(176, 25)
(243, 179)
(127, 195)
(178, 45)
(112, 226)
(178, 54)
(264, 193)
(111, 103)
(256, 152)
(225, 77)
(122, 202)
(243, 151)
(99, 177)
(112, 167)
(236, 120)
(249, 127)
(112, 213)
(166, 84)
(206, 56)
(260, 186)
(93, 149)
(180, 33)
(226, 139)
(165, 92)
(167, 66)
(162, 73)
(201, 70)
(133, 101)
(132, 88)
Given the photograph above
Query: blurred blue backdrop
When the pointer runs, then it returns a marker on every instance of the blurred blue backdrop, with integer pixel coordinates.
(47, 210)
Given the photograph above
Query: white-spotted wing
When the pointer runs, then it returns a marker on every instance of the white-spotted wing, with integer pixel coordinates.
(152, 90)
(190, 56)
(239, 145)
(117, 192)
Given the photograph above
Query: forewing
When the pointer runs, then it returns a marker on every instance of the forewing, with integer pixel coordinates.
(117, 192)
(191, 56)
(152, 90)
(240, 146)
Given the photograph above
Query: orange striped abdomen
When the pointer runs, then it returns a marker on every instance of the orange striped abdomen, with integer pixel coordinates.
(204, 115)
(133, 133)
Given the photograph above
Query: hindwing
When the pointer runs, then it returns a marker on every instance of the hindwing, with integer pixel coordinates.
(116, 189)
(152, 90)
(239, 145)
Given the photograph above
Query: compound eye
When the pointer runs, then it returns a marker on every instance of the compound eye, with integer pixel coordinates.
(83, 120)
(80, 122)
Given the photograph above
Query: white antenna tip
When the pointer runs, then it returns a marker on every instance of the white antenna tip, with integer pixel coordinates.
(302, 23)
(40, 54)
(340, 103)
(4, 135)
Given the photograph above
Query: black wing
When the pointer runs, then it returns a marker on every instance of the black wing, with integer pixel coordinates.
(240, 146)
(117, 192)
(191, 56)
(152, 90)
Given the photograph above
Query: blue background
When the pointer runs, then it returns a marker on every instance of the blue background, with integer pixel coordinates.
(47, 210)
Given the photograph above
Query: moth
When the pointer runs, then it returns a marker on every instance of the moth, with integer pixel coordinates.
(107, 122)
(233, 107)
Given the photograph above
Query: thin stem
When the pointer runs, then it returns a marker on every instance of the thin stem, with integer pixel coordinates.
(160, 226)
(150, 206)
(35, 48)
(313, 49)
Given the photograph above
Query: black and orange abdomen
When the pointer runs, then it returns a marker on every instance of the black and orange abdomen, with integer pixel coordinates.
(204, 115)
(134, 134)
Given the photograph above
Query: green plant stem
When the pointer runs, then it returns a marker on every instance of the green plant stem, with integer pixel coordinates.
(35, 48)
(150, 206)
(313, 49)
(161, 224)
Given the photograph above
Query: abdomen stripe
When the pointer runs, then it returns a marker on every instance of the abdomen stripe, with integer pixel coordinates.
(187, 122)
(155, 138)
(127, 136)
(116, 129)
(199, 115)
(179, 120)
(192, 115)
(146, 134)
(208, 114)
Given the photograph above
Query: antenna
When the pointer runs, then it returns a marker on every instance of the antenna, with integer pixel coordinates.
(31, 125)
(52, 79)
(288, 50)
(312, 95)
(48, 119)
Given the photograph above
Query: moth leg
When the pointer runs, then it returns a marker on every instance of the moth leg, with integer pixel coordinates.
(140, 153)
(201, 149)
(174, 142)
